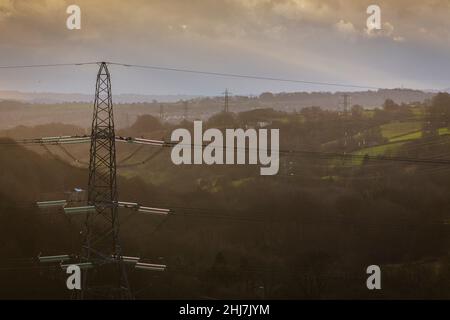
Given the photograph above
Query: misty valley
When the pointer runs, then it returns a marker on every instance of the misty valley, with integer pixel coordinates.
(354, 189)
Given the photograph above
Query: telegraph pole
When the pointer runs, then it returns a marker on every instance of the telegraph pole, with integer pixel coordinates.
(101, 245)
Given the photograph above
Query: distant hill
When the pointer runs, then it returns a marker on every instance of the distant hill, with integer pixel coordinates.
(18, 110)
(436, 91)
(51, 97)
(333, 100)
(327, 100)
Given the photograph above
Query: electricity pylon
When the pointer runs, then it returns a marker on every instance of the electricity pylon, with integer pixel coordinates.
(226, 102)
(345, 104)
(161, 112)
(101, 245)
(185, 108)
(104, 273)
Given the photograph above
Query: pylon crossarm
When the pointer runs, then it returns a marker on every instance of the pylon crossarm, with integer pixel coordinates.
(128, 205)
(150, 142)
(77, 210)
(156, 211)
(140, 208)
(50, 204)
(126, 259)
(150, 266)
(51, 259)
(55, 140)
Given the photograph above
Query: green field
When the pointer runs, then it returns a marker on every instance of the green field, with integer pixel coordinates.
(407, 137)
(398, 129)
(380, 149)
(443, 131)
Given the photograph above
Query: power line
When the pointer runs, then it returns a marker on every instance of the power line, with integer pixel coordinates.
(49, 65)
(194, 71)
(288, 152)
(130, 155)
(152, 156)
(211, 212)
(244, 76)
(122, 164)
(332, 155)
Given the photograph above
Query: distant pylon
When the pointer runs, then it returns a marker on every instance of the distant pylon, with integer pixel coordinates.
(226, 108)
(345, 103)
(185, 107)
(161, 111)
(101, 245)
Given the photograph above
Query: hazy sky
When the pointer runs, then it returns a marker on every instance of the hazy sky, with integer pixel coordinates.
(317, 40)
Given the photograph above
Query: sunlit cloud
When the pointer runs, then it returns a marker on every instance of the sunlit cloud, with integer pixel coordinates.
(300, 38)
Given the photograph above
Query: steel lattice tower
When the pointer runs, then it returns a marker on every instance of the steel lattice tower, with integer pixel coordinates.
(161, 112)
(101, 245)
(185, 115)
(226, 106)
(346, 102)
(104, 268)
(345, 106)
